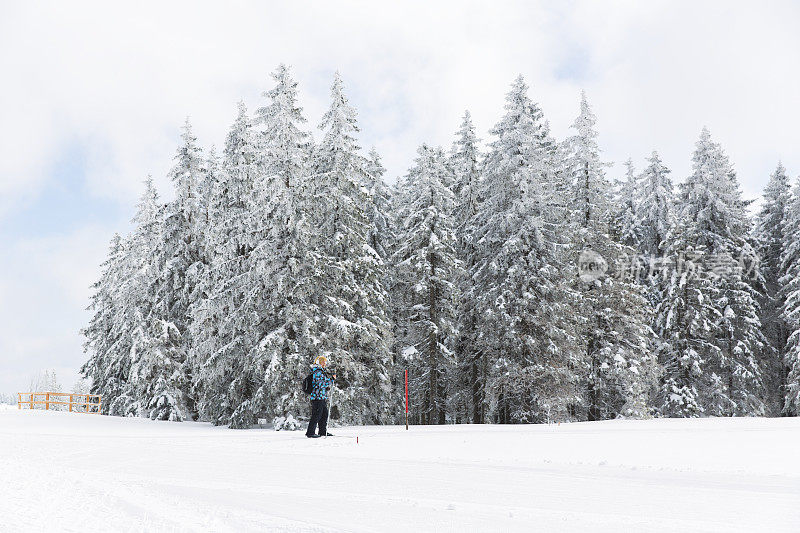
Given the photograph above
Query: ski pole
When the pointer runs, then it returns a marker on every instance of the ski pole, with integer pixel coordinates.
(330, 406)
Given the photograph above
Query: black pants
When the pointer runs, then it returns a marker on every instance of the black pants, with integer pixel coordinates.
(319, 415)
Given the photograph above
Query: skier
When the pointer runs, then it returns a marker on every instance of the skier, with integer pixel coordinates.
(319, 396)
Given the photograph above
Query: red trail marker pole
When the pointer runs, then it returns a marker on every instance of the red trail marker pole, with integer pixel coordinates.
(406, 400)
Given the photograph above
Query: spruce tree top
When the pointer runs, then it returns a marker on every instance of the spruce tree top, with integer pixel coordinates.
(340, 125)
(286, 145)
(711, 196)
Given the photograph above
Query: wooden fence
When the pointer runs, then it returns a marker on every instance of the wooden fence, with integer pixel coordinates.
(78, 403)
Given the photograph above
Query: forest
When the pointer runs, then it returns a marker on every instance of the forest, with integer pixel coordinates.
(517, 280)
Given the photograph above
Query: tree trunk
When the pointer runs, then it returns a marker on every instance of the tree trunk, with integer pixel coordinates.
(594, 411)
(587, 199)
(477, 398)
(436, 413)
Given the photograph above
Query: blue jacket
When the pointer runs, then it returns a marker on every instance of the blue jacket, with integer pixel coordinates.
(320, 383)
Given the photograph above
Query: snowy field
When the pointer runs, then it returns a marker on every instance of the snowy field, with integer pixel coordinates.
(74, 472)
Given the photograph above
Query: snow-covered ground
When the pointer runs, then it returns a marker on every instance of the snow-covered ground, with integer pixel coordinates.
(75, 472)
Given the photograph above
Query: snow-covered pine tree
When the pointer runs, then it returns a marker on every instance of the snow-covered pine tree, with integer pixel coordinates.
(108, 364)
(383, 239)
(770, 235)
(617, 338)
(711, 322)
(286, 146)
(222, 331)
(428, 272)
(656, 203)
(124, 351)
(179, 270)
(278, 266)
(188, 178)
(399, 306)
(524, 340)
(200, 332)
(158, 378)
(158, 375)
(590, 196)
(381, 233)
(686, 321)
(626, 223)
(655, 210)
(202, 327)
(465, 164)
(790, 296)
(345, 273)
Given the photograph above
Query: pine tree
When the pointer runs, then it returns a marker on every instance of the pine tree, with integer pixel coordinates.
(157, 374)
(719, 322)
(222, 329)
(278, 266)
(285, 144)
(655, 212)
(655, 206)
(187, 178)
(108, 365)
(627, 227)
(524, 336)
(790, 296)
(617, 338)
(345, 273)
(590, 202)
(428, 270)
(465, 164)
(381, 237)
(180, 266)
(134, 366)
(687, 321)
(770, 235)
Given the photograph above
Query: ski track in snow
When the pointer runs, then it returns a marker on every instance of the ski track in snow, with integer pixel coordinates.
(73, 472)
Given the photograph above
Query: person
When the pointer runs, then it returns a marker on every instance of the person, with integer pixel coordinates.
(321, 382)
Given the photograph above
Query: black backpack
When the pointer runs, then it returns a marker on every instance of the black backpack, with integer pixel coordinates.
(308, 383)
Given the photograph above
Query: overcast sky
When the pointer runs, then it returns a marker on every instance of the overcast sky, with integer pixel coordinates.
(92, 97)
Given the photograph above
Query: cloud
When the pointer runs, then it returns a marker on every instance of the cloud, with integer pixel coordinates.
(120, 80)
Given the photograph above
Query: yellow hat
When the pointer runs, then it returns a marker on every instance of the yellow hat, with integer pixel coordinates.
(321, 360)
